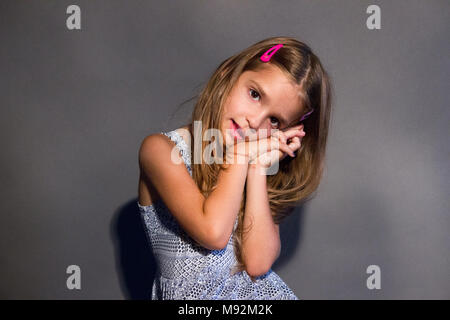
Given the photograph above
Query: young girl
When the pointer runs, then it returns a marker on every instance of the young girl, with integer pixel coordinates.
(214, 226)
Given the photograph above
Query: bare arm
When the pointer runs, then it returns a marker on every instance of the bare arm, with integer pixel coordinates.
(209, 221)
(261, 244)
(223, 203)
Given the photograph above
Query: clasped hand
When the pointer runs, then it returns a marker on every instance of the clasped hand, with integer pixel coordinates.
(261, 149)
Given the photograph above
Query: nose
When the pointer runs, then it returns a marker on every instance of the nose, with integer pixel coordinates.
(259, 121)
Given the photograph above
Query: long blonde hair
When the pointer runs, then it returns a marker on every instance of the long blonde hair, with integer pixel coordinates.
(297, 178)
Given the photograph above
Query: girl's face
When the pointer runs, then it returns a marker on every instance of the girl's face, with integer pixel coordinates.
(263, 99)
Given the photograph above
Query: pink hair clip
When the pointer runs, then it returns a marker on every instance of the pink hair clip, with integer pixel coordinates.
(269, 53)
(306, 115)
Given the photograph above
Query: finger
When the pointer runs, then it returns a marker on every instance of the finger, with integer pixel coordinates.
(287, 150)
(251, 134)
(295, 144)
(281, 136)
(297, 133)
(281, 146)
(282, 156)
(294, 129)
(297, 127)
(268, 158)
(231, 139)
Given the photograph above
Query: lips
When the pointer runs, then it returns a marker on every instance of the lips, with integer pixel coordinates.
(237, 131)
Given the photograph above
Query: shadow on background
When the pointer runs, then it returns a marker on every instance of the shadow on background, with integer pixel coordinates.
(135, 262)
(290, 237)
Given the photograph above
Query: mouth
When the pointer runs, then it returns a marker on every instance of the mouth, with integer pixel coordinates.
(237, 131)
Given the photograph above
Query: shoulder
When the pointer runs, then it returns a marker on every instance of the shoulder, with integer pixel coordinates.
(153, 142)
(160, 138)
(158, 148)
(153, 148)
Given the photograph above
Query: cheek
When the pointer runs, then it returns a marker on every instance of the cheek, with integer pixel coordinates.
(235, 108)
(232, 109)
(238, 102)
(240, 106)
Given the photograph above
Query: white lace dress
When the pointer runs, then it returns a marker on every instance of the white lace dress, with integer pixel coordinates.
(187, 271)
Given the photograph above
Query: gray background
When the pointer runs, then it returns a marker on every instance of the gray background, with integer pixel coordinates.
(75, 106)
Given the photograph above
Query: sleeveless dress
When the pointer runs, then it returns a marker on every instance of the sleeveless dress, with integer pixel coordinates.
(188, 271)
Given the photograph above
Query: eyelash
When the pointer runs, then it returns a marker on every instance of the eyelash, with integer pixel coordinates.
(251, 89)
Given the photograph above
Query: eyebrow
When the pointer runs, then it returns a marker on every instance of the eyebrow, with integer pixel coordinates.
(260, 88)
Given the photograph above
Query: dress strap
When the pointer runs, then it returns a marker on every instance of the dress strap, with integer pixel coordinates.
(182, 147)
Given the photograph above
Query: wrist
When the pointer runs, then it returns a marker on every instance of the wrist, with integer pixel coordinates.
(254, 165)
(233, 158)
(256, 168)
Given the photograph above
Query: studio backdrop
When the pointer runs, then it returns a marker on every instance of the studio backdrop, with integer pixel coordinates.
(83, 83)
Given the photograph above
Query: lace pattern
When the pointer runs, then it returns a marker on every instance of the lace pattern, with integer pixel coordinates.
(188, 271)
(182, 147)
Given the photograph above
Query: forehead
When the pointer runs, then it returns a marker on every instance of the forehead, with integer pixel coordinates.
(274, 81)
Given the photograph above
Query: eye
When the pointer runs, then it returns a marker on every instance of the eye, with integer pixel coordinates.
(278, 122)
(254, 94)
